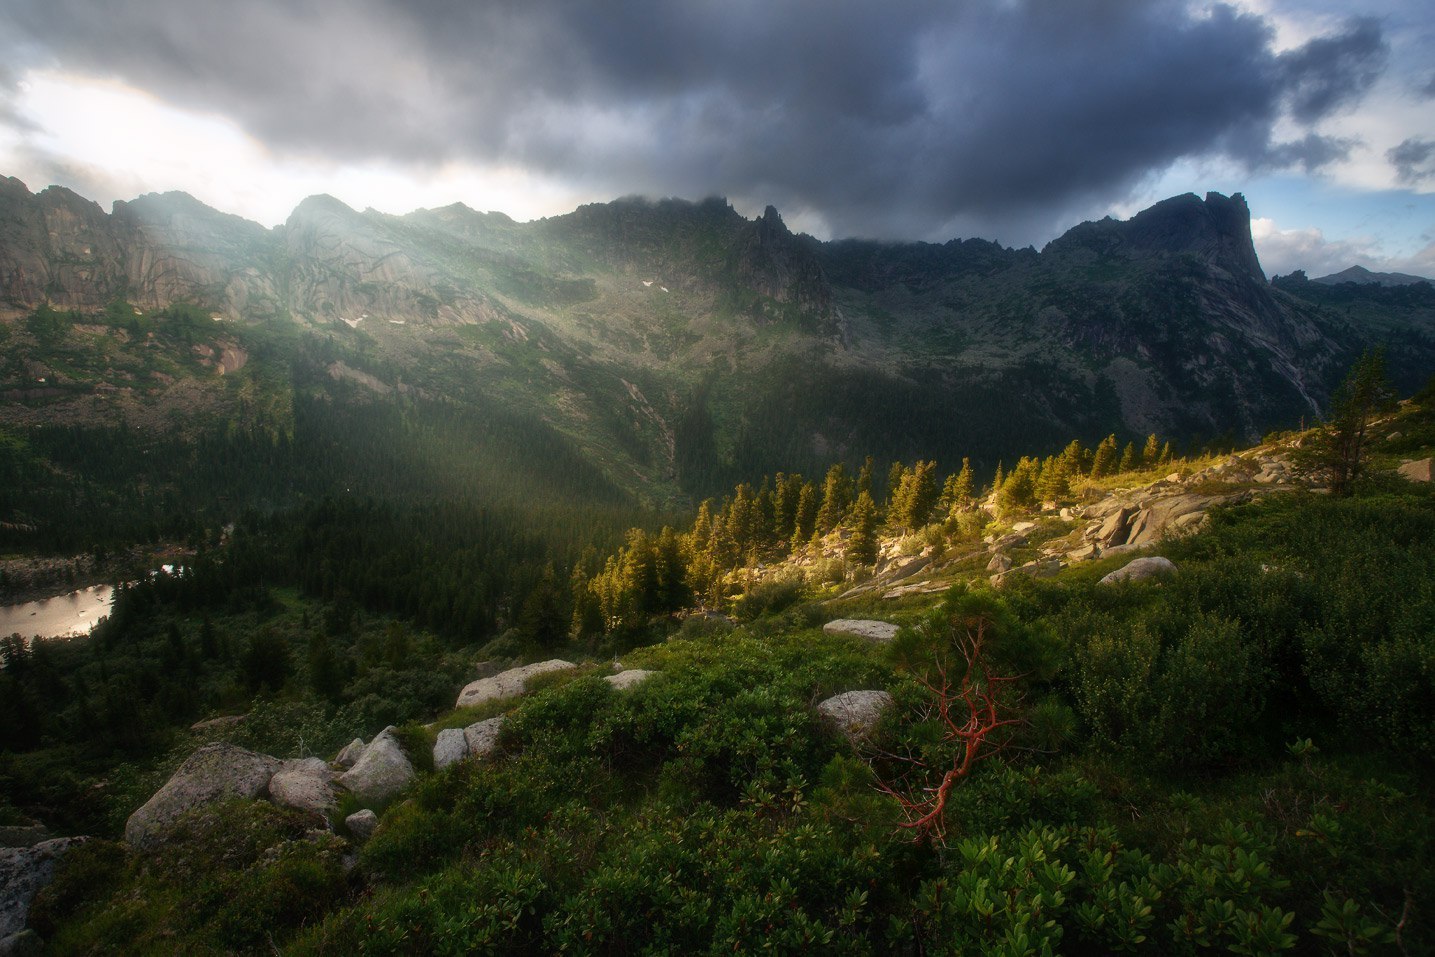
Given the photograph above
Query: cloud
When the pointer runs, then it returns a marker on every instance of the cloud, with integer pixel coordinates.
(907, 118)
(1283, 251)
(1414, 160)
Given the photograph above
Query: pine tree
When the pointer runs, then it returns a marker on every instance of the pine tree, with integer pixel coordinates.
(1151, 453)
(1053, 485)
(959, 488)
(836, 496)
(1166, 454)
(1019, 490)
(864, 477)
(862, 546)
(807, 507)
(1106, 458)
(1128, 459)
(1339, 452)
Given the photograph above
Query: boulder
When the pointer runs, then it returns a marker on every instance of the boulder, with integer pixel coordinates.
(1084, 554)
(382, 772)
(350, 754)
(213, 773)
(1141, 569)
(879, 632)
(361, 824)
(855, 713)
(23, 871)
(482, 737)
(916, 588)
(507, 684)
(223, 723)
(1114, 529)
(449, 748)
(630, 678)
(1421, 470)
(1000, 562)
(306, 784)
(1009, 540)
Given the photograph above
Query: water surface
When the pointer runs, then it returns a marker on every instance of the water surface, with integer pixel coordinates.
(59, 617)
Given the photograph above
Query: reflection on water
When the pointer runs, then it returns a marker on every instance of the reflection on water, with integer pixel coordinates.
(59, 617)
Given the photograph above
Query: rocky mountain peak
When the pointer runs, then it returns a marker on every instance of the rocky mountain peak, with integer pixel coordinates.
(1216, 229)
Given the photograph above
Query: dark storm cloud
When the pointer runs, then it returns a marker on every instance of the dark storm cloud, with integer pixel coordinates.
(1330, 72)
(901, 118)
(1414, 160)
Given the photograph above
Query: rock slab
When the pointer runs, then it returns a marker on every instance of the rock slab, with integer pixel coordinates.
(306, 784)
(351, 753)
(508, 684)
(361, 824)
(482, 737)
(382, 772)
(213, 773)
(1421, 470)
(23, 871)
(449, 748)
(880, 632)
(630, 678)
(855, 713)
(1141, 569)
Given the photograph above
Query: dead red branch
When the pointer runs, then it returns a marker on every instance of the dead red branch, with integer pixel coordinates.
(972, 712)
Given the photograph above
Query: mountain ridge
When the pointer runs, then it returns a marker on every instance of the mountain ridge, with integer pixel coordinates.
(685, 345)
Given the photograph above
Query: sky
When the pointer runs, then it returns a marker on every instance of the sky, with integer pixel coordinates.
(1010, 120)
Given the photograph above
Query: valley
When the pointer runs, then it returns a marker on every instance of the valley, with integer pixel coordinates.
(770, 516)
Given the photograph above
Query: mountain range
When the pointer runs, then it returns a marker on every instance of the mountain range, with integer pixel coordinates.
(679, 346)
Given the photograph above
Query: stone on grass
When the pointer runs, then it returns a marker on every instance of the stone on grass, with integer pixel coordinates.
(855, 713)
(382, 772)
(1421, 470)
(23, 871)
(361, 824)
(630, 678)
(1141, 569)
(880, 632)
(351, 754)
(482, 737)
(213, 773)
(508, 684)
(306, 784)
(1000, 562)
(449, 748)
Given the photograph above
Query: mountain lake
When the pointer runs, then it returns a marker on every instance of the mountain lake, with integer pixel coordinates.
(63, 616)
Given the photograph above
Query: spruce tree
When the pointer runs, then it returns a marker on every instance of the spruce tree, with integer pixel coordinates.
(1128, 459)
(1151, 454)
(862, 546)
(1106, 458)
(836, 496)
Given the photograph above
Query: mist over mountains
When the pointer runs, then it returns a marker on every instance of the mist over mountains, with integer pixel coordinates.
(681, 346)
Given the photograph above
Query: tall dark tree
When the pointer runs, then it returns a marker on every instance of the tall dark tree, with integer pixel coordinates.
(1338, 454)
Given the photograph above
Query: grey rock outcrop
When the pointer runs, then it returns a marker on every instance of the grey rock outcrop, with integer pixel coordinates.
(630, 678)
(350, 754)
(382, 772)
(1421, 470)
(213, 773)
(1141, 569)
(508, 684)
(361, 824)
(482, 737)
(306, 784)
(879, 632)
(449, 748)
(855, 713)
(1001, 562)
(23, 872)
